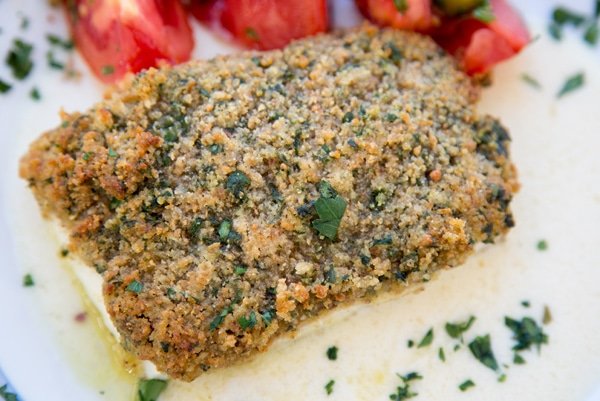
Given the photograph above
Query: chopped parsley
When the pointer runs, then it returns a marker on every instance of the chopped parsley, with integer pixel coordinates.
(6, 395)
(401, 5)
(251, 34)
(237, 183)
(518, 359)
(562, 16)
(267, 316)
(4, 86)
(108, 69)
(224, 230)
(329, 387)
(547, 317)
(240, 270)
(53, 62)
(555, 31)
(404, 392)
(19, 59)
(467, 384)
(525, 304)
(248, 322)
(216, 322)
(427, 339)
(571, 84)
(484, 13)
(348, 117)
(410, 343)
(28, 280)
(542, 245)
(55, 40)
(441, 355)
(456, 330)
(112, 153)
(481, 349)
(590, 35)
(502, 378)
(531, 81)
(526, 333)
(332, 353)
(150, 389)
(330, 208)
(135, 286)
(35, 94)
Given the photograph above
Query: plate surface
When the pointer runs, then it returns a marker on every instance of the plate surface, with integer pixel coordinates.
(555, 147)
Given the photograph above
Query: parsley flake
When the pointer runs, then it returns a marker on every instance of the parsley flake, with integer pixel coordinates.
(591, 33)
(404, 392)
(330, 208)
(19, 59)
(518, 359)
(35, 94)
(401, 5)
(427, 339)
(481, 349)
(237, 183)
(563, 16)
(571, 84)
(526, 333)
(467, 384)
(329, 387)
(4, 86)
(531, 81)
(216, 322)
(547, 317)
(332, 353)
(150, 389)
(135, 286)
(28, 280)
(442, 355)
(252, 34)
(6, 395)
(542, 245)
(54, 40)
(247, 322)
(456, 330)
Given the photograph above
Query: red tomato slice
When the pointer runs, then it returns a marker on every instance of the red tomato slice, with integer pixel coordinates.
(417, 17)
(480, 46)
(120, 36)
(264, 24)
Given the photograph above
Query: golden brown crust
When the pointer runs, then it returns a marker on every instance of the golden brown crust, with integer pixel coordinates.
(198, 274)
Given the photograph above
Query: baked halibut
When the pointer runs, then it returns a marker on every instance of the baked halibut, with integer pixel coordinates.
(226, 201)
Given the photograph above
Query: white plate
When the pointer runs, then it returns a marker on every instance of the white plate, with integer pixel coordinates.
(47, 357)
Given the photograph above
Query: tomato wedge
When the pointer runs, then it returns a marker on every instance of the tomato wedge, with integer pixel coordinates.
(120, 36)
(263, 24)
(480, 45)
(413, 15)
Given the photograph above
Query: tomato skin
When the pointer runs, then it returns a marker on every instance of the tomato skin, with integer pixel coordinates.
(263, 24)
(480, 46)
(120, 36)
(417, 17)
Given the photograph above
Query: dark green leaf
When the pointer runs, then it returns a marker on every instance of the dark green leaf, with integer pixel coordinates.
(217, 320)
(35, 94)
(481, 349)
(247, 322)
(54, 40)
(427, 339)
(237, 183)
(591, 34)
(330, 208)
(442, 355)
(4, 86)
(564, 16)
(150, 389)
(401, 5)
(390, 117)
(518, 359)
(6, 395)
(573, 83)
(555, 31)
(135, 286)
(525, 304)
(28, 280)
(19, 59)
(332, 353)
(348, 117)
(329, 387)
(464, 386)
(456, 330)
(404, 392)
(526, 333)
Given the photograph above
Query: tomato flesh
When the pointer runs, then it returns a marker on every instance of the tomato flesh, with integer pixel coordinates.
(417, 16)
(120, 36)
(263, 24)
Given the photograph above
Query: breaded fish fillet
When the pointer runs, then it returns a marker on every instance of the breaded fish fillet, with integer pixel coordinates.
(226, 201)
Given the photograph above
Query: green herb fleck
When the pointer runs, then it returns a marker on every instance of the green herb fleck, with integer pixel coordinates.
(35, 94)
(572, 83)
(240, 270)
(484, 13)
(216, 322)
(54, 40)
(251, 34)
(348, 117)
(332, 353)
(237, 183)
(64, 252)
(456, 330)
(107, 70)
(526, 333)
(442, 355)
(562, 16)
(86, 156)
(28, 280)
(53, 62)
(112, 153)
(404, 392)
(135, 286)
(6, 395)
(150, 389)
(330, 208)
(464, 386)
(590, 34)
(427, 339)
(224, 229)
(4, 86)
(555, 31)
(525, 304)
(481, 349)
(542, 245)
(410, 343)
(401, 5)
(24, 22)
(390, 117)
(518, 359)
(547, 317)
(531, 81)
(267, 316)
(329, 387)
(215, 148)
(502, 378)
(19, 59)
(247, 322)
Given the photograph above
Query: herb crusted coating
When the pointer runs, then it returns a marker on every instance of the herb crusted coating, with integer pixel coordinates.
(194, 190)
